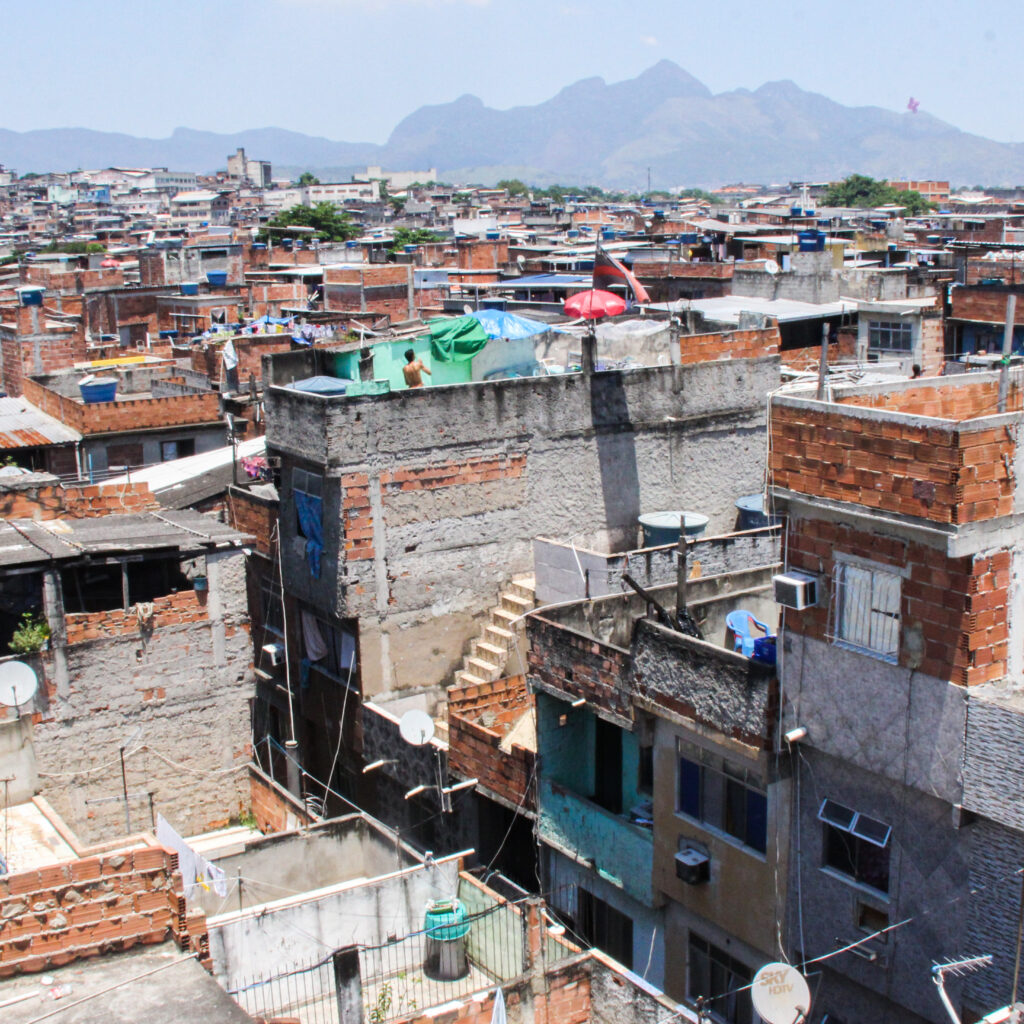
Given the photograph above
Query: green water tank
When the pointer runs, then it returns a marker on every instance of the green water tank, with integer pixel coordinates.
(446, 927)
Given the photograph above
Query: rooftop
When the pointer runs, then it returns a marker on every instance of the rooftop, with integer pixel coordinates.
(22, 425)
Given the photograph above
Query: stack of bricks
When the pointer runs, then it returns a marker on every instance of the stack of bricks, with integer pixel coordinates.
(172, 610)
(49, 500)
(579, 666)
(108, 903)
(957, 604)
(702, 348)
(474, 748)
(357, 521)
(944, 473)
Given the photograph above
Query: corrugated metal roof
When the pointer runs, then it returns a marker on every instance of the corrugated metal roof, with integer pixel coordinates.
(24, 426)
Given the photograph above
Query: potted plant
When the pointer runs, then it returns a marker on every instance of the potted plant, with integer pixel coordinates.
(31, 636)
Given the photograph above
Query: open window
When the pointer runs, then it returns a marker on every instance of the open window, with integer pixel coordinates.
(856, 845)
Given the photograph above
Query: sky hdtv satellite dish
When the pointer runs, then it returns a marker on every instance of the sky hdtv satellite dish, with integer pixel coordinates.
(17, 683)
(780, 994)
(771, 266)
(416, 727)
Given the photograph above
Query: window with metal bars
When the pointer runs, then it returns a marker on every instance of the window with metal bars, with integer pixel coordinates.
(866, 610)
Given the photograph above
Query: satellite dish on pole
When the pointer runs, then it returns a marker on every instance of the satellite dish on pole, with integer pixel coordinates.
(17, 683)
(780, 994)
(416, 727)
(771, 266)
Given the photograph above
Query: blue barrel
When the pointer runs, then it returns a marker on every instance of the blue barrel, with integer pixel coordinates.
(189, 287)
(795, 211)
(30, 295)
(661, 528)
(99, 389)
(445, 920)
(752, 513)
(218, 278)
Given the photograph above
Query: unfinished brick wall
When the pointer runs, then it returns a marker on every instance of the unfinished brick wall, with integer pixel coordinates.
(699, 348)
(356, 518)
(983, 305)
(55, 915)
(48, 499)
(273, 807)
(474, 747)
(119, 416)
(171, 610)
(949, 473)
(579, 666)
(255, 515)
(953, 614)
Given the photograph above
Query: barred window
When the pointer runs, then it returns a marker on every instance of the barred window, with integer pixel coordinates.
(890, 336)
(866, 610)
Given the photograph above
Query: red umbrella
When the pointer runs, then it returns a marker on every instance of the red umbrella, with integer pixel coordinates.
(594, 304)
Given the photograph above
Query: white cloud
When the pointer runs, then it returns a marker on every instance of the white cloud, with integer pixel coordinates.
(649, 40)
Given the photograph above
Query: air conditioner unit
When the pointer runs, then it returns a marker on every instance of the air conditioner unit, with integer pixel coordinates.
(693, 866)
(275, 652)
(795, 590)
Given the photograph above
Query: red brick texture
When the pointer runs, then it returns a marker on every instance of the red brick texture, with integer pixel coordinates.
(256, 516)
(79, 501)
(947, 473)
(120, 416)
(172, 610)
(958, 605)
(702, 348)
(473, 748)
(450, 474)
(579, 666)
(274, 808)
(356, 520)
(65, 912)
(986, 306)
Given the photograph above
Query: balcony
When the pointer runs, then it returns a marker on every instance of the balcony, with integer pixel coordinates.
(620, 852)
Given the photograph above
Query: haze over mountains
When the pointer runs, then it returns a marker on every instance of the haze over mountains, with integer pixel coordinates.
(589, 133)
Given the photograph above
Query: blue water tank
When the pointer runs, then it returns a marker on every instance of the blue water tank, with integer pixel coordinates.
(660, 528)
(752, 514)
(572, 233)
(218, 278)
(493, 236)
(30, 295)
(189, 287)
(811, 241)
(99, 389)
(795, 211)
(410, 248)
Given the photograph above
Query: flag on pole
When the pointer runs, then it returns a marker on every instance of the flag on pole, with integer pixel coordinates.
(609, 271)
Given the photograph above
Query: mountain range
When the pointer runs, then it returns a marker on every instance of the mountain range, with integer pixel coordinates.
(591, 132)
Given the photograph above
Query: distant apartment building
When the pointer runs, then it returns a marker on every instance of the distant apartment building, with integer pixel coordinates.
(242, 168)
(201, 206)
(397, 179)
(933, 191)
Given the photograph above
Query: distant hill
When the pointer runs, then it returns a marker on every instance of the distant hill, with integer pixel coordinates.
(590, 133)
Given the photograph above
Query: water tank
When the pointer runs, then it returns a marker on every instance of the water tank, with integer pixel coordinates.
(795, 211)
(752, 513)
(446, 928)
(30, 295)
(98, 389)
(189, 287)
(811, 241)
(218, 278)
(493, 236)
(660, 528)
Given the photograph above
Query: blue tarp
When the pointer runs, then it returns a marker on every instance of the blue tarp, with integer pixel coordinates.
(309, 509)
(499, 324)
(320, 385)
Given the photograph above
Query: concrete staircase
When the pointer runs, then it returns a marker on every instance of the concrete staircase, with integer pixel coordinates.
(490, 653)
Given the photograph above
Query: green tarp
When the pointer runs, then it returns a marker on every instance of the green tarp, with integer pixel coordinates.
(458, 340)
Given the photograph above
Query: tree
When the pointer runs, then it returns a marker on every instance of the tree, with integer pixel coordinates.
(412, 236)
(514, 187)
(861, 191)
(308, 178)
(330, 223)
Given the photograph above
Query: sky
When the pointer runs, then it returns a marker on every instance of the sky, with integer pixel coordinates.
(351, 69)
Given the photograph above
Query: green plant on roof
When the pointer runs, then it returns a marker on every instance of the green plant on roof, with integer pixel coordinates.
(30, 636)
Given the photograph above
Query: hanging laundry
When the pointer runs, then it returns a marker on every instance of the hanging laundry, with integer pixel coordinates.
(196, 870)
(316, 648)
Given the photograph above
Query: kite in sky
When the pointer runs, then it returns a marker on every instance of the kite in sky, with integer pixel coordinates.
(913, 104)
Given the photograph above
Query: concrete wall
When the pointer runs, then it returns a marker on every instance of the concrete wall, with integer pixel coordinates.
(267, 939)
(176, 695)
(18, 760)
(432, 498)
(928, 868)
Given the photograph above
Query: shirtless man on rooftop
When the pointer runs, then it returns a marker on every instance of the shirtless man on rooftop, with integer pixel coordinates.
(413, 370)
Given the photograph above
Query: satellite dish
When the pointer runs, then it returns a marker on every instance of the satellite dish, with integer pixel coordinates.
(771, 266)
(780, 994)
(467, 309)
(17, 683)
(416, 727)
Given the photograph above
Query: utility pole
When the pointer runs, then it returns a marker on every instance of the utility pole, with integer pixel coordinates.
(1004, 372)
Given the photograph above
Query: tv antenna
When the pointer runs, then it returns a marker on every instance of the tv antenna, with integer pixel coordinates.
(18, 683)
(780, 994)
(956, 969)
